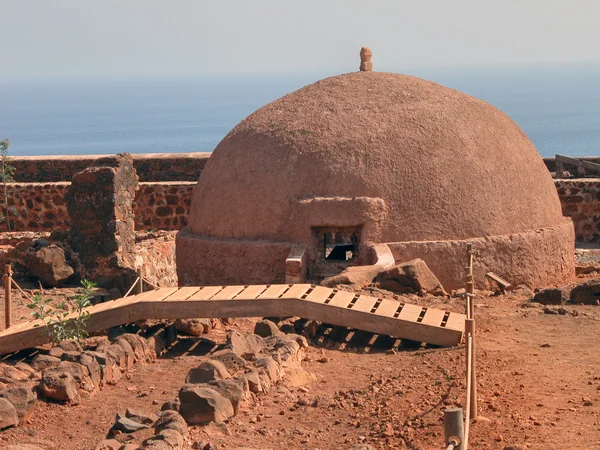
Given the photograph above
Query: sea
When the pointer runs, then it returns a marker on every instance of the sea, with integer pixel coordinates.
(557, 106)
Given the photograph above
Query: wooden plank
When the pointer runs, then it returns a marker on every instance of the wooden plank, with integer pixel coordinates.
(456, 321)
(296, 291)
(498, 279)
(364, 303)
(341, 299)
(274, 291)
(433, 317)
(158, 295)
(319, 294)
(387, 308)
(228, 293)
(410, 312)
(205, 293)
(182, 294)
(251, 292)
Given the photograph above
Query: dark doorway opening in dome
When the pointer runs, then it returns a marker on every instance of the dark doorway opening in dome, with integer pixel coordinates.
(337, 244)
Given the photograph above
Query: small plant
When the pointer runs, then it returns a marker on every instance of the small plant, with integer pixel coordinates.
(55, 315)
(6, 176)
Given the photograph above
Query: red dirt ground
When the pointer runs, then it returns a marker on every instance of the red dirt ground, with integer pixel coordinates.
(538, 377)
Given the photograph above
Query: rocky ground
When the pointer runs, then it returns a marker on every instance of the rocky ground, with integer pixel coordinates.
(538, 380)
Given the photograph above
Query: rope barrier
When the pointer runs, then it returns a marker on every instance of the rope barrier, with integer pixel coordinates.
(132, 286)
(29, 296)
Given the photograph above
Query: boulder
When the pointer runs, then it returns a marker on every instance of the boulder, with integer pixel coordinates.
(269, 367)
(12, 374)
(79, 372)
(295, 376)
(171, 405)
(89, 362)
(139, 345)
(70, 346)
(587, 293)
(109, 370)
(22, 398)
(248, 346)
(254, 384)
(49, 265)
(230, 389)
(171, 420)
(59, 386)
(409, 277)
(232, 362)
(266, 328)
(172, 438)
(128, 350)
(194, 327)
(551, 296)
(8, 414)
(207, 371)
(202, 405)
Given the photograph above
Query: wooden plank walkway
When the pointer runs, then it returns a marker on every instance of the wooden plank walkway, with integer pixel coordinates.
(342, 308)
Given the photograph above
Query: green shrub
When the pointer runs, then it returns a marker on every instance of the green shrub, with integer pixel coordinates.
(55, 314)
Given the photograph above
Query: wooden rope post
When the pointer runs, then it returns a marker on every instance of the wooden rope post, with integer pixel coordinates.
(470, 284)
(7, 295)
(454, 428)
(140, 285)
(470, 330)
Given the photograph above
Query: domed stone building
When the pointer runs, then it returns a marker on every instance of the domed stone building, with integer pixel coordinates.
(318, 180)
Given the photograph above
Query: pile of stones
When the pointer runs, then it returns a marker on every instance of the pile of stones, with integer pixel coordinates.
(250, 365)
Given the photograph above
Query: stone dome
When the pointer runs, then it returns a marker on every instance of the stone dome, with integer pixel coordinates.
(446, 165)
(387, 157)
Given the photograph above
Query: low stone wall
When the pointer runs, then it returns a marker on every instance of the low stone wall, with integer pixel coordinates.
(42, 206)
(150, 167)
(165, 205)
(533, 258)
(580, 200)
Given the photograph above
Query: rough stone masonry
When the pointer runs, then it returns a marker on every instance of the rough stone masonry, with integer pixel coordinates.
(102, 220)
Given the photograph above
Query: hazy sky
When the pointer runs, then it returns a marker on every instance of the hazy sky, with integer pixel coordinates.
(161, 37)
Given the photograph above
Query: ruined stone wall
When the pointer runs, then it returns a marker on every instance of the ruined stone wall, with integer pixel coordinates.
(163, 206)
(42, 207)
(149, 167)
(580, 200)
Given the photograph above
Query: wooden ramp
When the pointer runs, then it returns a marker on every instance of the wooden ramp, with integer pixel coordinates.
(336, 307)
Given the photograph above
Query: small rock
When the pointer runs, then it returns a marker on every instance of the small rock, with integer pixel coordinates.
(109, 444)
(194, 327)
(140, 417)
(266, 328)
(124, 425)
(551, 296)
